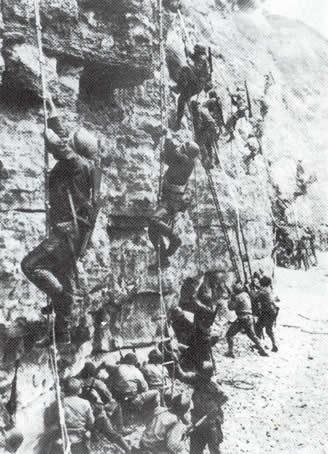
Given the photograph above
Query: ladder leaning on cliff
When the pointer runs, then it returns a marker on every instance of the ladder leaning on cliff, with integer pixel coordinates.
(65, 442)
(212, 187)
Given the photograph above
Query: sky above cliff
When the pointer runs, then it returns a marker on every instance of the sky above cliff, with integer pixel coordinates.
(312, 12)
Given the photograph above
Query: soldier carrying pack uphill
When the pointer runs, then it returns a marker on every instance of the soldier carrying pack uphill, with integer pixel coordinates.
(50, 266)
(193, 78)
(181, 161)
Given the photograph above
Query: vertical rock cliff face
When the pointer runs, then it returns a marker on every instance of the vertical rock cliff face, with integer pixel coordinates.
(102, 66)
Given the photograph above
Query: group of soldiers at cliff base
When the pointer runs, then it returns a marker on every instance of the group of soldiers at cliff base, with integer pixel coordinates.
(103, 403)
(98, 405)
(295, 253)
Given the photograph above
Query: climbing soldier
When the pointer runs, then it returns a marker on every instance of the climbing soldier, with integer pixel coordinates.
(205, 134)
(254, 148)
(204, 315)
(239, 102)
(267, 310)
(241, 303)
(181, 161)
(193, 78)
(208, 400)
(214, 106)
(164, 432)
(50, 266)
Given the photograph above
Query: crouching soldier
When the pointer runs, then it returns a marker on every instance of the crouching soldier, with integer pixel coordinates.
(155, 374)
(205, 133)
(267, 309)
(129, 386)
(181, 162)
(50, 266)
(79, 421)
(241, 303)
(207, 414)
(165, 430)
(193, 78)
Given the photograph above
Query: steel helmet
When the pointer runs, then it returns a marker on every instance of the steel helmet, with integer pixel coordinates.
(237, 287)
(84, 143)
(212, 94)
(191, 149)
(200, 49)
(180, 404)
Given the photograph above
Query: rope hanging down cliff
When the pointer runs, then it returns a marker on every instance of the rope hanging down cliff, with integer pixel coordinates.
(52, 354)
(163, 113)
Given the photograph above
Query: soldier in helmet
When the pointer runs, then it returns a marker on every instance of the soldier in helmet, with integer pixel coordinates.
(254, 148)
(208, 400)
(181, 161)
(241, 303)
(205, 133)
(239, 102)
(193, 78)
(50, 266)
(214, 106)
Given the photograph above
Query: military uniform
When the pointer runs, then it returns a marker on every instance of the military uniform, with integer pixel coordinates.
(268, 312)
(239, 102)
(205, 133)
(50, 266)
(242, 305)
(163, 434)
(208, 400)
(79, 420)
(193, 79)
(180, 167)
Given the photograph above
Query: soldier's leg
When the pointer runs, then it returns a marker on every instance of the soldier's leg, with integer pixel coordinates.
(270, 333)
(105, 427)
(39, 266)
(215, 438)
(234, 329)
(198, 442)
(182, 101)
(155, 236)
(248, 325)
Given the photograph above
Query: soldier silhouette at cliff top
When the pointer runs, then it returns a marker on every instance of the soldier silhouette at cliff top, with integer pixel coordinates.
(50, 266)
(193, 78)
(181, 161)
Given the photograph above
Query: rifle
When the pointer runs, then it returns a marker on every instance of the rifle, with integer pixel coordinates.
(250, 113)
(210, 60)
(190, 429)
(11, 405)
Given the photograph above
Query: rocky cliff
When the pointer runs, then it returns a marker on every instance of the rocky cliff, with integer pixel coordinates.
(102, 66)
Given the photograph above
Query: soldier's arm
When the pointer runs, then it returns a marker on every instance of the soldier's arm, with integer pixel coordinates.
(174, 439)
(186, 377)
(54, 121)
(222, 398)
(173, 154)
(142, 384)
(90, 419)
